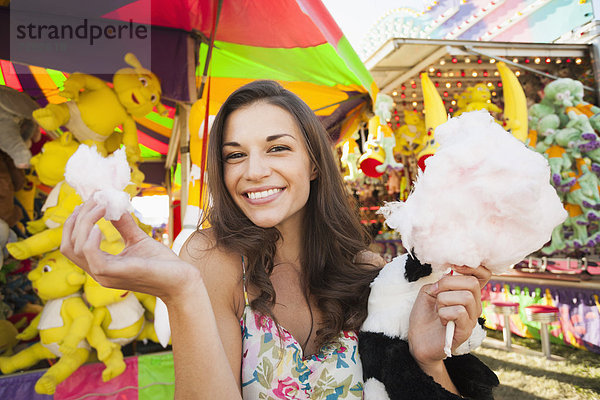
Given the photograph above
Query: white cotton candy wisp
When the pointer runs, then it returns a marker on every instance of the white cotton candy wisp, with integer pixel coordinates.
(484, 199)
(102, 178)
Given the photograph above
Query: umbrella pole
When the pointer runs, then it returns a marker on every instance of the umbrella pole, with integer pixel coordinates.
(184, 151)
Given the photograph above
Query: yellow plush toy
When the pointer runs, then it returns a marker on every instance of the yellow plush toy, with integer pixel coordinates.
(350, 156)
(480, 99)
(95, 110)
(410, 137)
(62, 325)
(118, 320)
(47, 231)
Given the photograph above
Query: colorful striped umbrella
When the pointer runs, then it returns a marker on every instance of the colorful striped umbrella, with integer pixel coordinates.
(294, 41)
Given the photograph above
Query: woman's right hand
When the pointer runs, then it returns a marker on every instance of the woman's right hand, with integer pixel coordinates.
(145, 265)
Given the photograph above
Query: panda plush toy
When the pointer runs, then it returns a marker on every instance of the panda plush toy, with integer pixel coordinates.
(483, 199)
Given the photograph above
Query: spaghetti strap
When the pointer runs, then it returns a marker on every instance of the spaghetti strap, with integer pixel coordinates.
(244, 281)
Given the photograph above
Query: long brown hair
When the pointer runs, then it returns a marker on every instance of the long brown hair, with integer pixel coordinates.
(333, 235)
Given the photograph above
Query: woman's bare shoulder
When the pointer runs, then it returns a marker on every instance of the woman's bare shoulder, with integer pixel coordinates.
(215, 262)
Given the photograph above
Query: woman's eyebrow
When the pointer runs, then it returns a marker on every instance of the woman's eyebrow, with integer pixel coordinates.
(275, 137)
(268, 139)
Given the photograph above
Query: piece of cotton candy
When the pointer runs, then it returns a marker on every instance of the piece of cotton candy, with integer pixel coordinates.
(484, 199)
(102, 178)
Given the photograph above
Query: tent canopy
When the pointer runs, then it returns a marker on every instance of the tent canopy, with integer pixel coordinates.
(398, 63)
(294, 41)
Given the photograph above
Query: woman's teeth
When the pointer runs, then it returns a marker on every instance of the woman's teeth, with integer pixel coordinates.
(260, 195)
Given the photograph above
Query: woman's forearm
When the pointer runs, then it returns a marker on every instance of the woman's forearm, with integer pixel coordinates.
(202, 370)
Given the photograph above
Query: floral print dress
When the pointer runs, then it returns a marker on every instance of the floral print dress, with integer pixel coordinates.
(273, 366)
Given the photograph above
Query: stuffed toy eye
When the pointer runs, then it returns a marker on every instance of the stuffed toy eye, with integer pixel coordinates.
(153, 98)
(144, 81)
(47, 268)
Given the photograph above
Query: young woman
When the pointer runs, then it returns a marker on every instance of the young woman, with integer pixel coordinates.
(266, 303)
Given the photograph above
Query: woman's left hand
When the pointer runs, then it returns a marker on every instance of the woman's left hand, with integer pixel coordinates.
(453, 298)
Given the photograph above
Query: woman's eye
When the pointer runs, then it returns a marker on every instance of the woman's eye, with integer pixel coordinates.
(279, 148)
(233, 156)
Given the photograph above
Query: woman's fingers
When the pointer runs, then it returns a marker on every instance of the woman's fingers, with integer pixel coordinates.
(85, 223)
(129, 230)
(462, 298)
(482, 274)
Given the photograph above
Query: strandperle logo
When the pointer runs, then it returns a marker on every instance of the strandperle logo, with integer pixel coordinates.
(89, 31)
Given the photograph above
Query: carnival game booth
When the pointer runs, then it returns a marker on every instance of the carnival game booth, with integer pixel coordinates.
(199, 52)
(544, 94)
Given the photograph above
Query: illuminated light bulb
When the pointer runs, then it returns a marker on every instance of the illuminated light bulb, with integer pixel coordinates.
(414, 103)
(403, 87)
(412, 82)
(578, 61)
(527, 61)
(479, 61)
(459, 84)
(548, 60)
(558, 61)
(451, 74)
(402, 96)
(451, 109)
(448, 84)
(488, 101)
(442, 62)
(453, 102)
(414, 95)
(467, 60)
(394, 93)
(515, 60)
(390, 124)
(414, 86)
(568, 60)
(496, 73)
(438, 73)
(489, 84)
(454, 60)
(494, 93)
(397, 124)
(499, 84)
(537, 60)
(431, 69)
(397, 117)
(462, 73)
(485, 73)
(445, 74)
(474, 74)
(388, 120)
(437, 84)
(518, 73)
(492, 60)
(445, 94)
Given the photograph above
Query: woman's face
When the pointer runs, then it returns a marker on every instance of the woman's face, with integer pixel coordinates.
(267, 169)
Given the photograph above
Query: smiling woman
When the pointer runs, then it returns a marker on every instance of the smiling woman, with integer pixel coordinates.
(267, 301)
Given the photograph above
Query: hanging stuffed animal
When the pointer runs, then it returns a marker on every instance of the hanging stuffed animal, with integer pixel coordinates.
(17, 125)
(118, 320)
(46, 232)
(62, 325)
(95, 110)
(467, 209)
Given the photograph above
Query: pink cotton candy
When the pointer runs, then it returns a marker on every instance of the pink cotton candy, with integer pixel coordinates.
(484, 199)
(102, 178)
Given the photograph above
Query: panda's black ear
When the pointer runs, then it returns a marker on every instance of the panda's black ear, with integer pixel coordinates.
(415, 270)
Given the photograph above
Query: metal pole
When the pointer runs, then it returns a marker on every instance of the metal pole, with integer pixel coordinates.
(506, 332)
(545, 339)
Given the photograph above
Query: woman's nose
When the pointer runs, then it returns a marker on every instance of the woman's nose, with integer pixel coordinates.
(257, 168)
